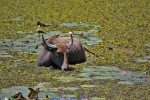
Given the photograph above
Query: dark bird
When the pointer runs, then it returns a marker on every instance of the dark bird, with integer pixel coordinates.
(42, 25)
(40, 32)
(33, 93)
(19, 96)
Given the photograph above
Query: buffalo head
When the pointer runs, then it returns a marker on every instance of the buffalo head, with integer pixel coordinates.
(61, 51)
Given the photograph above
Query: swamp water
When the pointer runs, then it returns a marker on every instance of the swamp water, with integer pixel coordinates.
(30, 44)
(90, 73)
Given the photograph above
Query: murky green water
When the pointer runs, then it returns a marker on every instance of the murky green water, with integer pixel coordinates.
(93, 73)
(30, 45)
(108, 72)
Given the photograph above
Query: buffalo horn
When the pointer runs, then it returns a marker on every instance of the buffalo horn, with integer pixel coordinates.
(48, 44)
(71, 42)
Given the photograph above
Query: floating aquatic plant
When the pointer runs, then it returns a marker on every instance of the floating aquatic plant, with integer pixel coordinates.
(21, 32)
(18, 18)
(73, 24)
(5, 54)
(107, 72)
(31, 43)
(43, 93)
(91, 73)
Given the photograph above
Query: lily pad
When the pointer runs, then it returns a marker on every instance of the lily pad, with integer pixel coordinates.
(4, 54)
(97, 98)
(84, 74)
(136, 74)
(42, 84)
(20, 32)
(29, 43)
(89, 70)
(73, 24)
(126, 82)
(68, 97)
(141, 60)
(9, 92)
(69, 24)
(65, 79)
(147, 45)
(146, 57)
(18, 18)
(49, 93)
(88, 86)
(104, 77)
(94, 30)
(83, 79)
(112, 73)
(56, 89)
(70, 88)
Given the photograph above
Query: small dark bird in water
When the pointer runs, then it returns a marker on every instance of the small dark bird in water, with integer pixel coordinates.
(42, 25)
(19, 96)
(33, 93)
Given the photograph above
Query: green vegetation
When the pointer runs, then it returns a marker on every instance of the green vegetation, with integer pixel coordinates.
(124, 30)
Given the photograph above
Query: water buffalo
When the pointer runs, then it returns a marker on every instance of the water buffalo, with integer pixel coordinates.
(60, 51)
